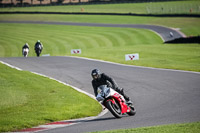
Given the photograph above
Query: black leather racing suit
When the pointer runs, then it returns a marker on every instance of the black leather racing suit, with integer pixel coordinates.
(37, 45)
(25, 46)
(106, 80)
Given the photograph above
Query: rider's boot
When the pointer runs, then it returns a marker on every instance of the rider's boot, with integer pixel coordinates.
(128, 101)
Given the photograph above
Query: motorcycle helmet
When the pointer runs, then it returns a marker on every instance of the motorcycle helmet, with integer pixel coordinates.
(26, 44)
(95, 74)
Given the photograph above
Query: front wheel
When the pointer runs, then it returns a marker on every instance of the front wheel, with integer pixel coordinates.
(38, 53)
(132, 112)
(114, 109)
(25, 54)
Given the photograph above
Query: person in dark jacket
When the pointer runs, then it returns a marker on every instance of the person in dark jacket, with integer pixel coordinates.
(103, 79)
(38, 44)
(38, 47)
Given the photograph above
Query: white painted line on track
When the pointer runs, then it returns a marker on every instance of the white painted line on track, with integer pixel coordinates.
(92, 96)
(49, 126)
(157, 34)
(11, 66)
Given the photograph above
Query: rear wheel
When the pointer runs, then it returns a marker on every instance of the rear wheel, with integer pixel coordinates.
(114, 109)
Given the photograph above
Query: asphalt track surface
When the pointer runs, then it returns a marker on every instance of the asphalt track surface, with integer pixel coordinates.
(160, 96)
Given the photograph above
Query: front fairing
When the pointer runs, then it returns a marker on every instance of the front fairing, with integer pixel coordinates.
(25, 50)
(103, 92)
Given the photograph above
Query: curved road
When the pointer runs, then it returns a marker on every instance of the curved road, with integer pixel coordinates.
(160, 96)
(163, 32)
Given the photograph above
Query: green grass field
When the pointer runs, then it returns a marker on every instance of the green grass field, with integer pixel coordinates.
(109, 44)
(26, 100)
(59, 40)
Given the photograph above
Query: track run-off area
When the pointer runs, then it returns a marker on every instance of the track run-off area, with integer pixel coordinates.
(161, 96)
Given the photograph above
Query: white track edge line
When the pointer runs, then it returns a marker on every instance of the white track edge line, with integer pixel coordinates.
(109, 62)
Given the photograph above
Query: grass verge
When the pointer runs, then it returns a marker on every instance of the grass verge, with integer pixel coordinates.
(27, 100)
(172, 128)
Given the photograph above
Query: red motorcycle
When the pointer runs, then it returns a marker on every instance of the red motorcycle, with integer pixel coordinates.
(114, 102)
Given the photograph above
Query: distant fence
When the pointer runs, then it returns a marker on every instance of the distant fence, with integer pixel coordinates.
(171, 8)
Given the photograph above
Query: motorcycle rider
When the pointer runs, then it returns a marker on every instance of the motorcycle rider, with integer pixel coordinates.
(38, 44)
(25, 46)
(103, 79)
